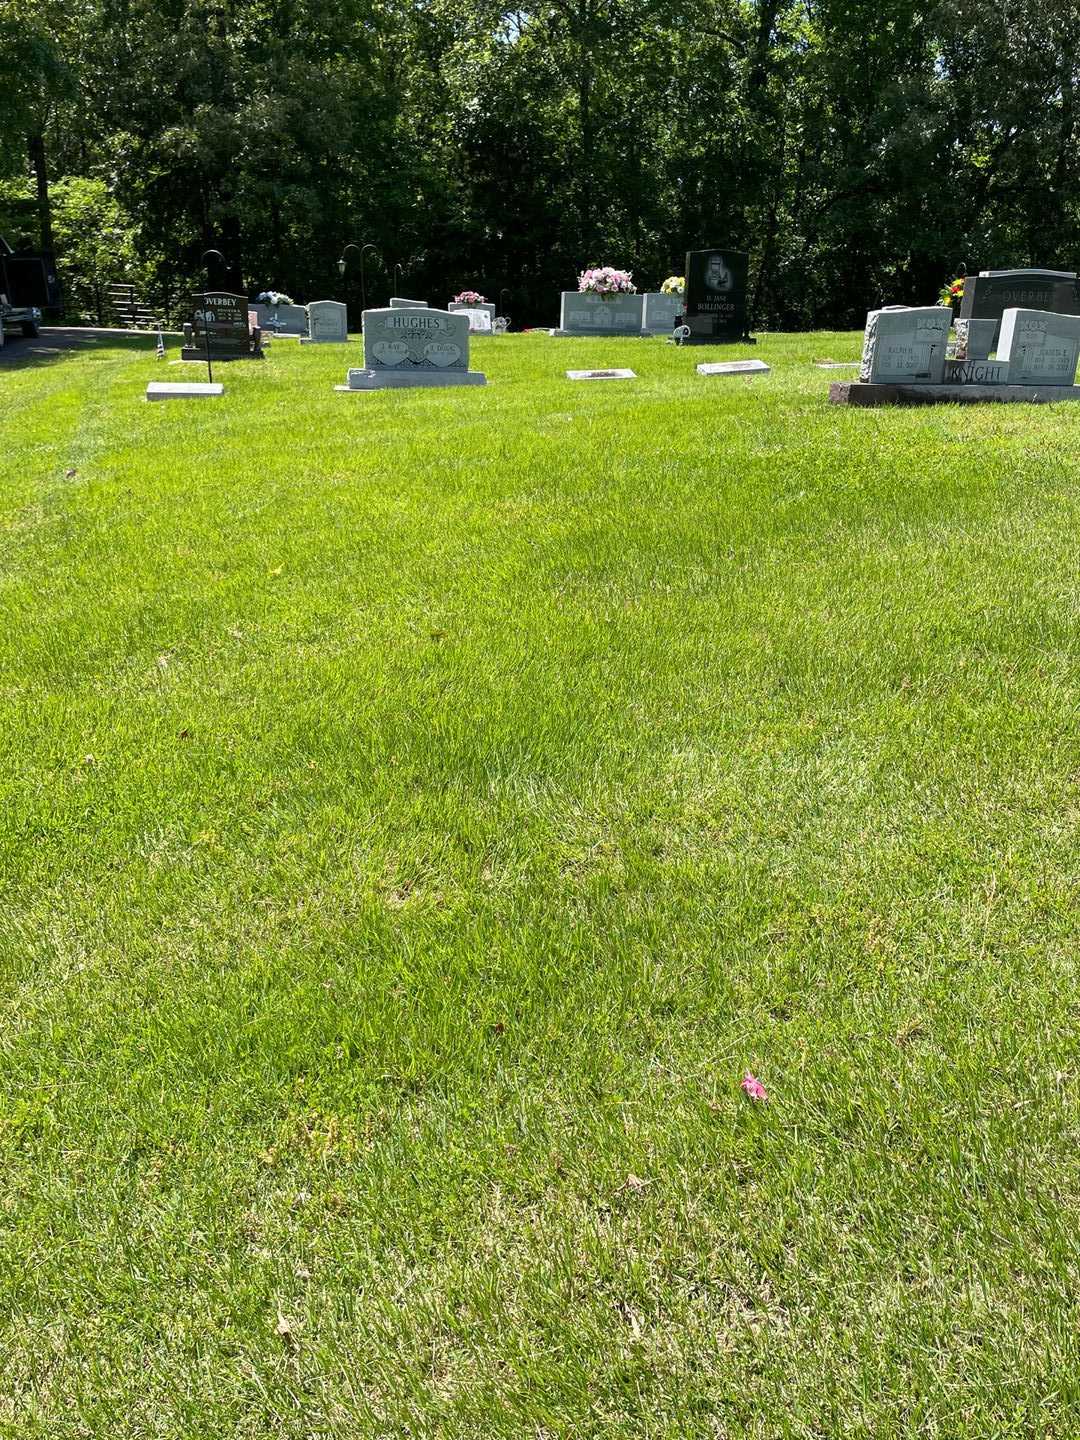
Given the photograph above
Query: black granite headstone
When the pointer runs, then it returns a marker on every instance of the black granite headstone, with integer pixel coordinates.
(221, 319)
(716, 296)
(987, 297)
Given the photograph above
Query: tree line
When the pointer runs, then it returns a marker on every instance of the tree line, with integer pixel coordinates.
(861, 152)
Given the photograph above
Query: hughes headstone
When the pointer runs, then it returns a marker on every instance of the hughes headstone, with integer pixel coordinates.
(414, 346)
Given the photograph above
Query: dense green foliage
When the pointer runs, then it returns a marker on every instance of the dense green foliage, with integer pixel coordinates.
(419, 809)
(860, 150)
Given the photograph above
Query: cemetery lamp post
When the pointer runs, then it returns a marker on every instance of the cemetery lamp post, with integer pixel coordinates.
(206, 329)
(363, 283)
(398, 272)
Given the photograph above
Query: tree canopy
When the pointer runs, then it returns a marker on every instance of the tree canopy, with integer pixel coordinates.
(859, 151)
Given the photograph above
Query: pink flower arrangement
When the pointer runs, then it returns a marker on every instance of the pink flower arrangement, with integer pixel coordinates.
(469, 297)
(603, 280)
(753, 1087)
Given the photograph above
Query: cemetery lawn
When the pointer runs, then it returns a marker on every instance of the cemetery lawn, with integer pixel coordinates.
(420, 810)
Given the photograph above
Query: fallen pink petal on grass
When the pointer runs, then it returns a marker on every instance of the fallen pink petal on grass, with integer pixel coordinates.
(753, 1087)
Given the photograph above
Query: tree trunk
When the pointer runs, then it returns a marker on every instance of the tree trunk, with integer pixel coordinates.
(36, 150)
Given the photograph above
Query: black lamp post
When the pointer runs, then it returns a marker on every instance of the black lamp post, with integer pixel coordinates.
(399, 270)
(363, 249)
(206, 329)
(504, 291)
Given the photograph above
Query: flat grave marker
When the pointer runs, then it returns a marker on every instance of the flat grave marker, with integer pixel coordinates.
(600, 375)
(735, 367)
(183, 390)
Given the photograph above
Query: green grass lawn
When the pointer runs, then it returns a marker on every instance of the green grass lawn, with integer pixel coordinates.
(421, 809)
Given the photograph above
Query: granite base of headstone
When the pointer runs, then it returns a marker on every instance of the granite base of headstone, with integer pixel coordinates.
(412, 347)
(327, 323)
(584, 312)
(715, 303)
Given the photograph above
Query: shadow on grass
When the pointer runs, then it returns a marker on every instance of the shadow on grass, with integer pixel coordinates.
(56, 343)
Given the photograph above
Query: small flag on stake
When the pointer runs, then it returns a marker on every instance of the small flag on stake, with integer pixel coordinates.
(160, 346)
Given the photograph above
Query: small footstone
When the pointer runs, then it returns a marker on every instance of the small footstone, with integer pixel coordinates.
(600, 375)
(182, 390)
(734, 367)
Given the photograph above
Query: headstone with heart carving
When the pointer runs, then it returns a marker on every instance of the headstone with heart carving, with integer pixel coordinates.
(405, 347)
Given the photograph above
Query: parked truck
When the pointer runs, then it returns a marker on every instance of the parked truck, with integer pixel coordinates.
(28, 286)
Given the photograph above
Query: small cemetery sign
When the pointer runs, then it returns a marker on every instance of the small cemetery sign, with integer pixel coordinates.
(584, 312)
(716, 296)
(220, 322)
(327, 323)
(414, 346)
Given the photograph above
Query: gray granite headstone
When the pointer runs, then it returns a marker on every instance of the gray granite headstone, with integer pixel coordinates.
(477, 328)
(327, 323)
(1039, 347)
(975, 339)
(660, 312)
(282, 319)
(583, 312)
(905, 346)
(414, 346)
(990, 293)
(397, 303)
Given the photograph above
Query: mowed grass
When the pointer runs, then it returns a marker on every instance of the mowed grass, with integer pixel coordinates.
(421, 809)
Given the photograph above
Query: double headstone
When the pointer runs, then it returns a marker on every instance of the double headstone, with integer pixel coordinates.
(327, 323)
(716, 296)
(220, 325)
(990, 293)
(583, 312)
(414, 346)
(905, 345)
